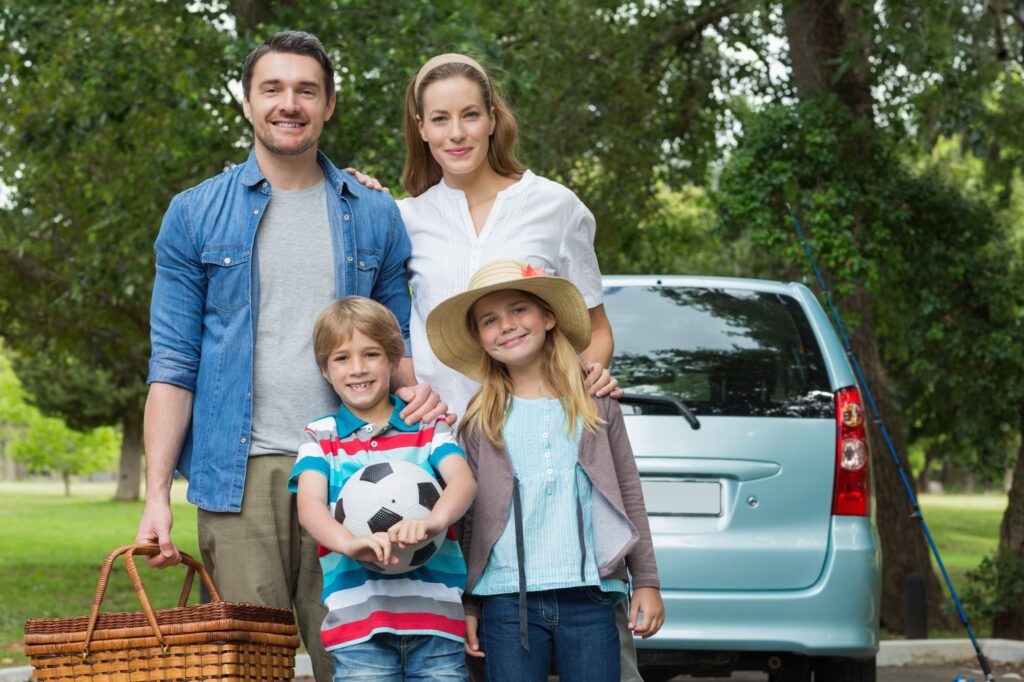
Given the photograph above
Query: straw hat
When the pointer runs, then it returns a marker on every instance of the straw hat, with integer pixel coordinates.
(456, 345)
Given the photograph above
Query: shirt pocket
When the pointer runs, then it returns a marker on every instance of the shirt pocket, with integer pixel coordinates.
(367, 266)
(227, 274)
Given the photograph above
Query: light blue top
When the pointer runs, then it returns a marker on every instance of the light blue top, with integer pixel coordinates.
(545, 460)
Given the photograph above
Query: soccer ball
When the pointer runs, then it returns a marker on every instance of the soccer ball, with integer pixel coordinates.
(380, 495)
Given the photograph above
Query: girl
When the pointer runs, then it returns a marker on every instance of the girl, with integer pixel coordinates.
(559, 513)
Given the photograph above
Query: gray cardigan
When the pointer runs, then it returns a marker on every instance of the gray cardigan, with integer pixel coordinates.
(622, 535)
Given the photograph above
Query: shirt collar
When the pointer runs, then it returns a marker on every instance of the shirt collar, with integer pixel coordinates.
(252, 175)
(347, 423)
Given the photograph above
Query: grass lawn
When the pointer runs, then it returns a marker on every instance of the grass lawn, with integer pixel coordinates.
(53, 546)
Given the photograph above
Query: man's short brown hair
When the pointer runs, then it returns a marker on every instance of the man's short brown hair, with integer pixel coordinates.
(336, 322)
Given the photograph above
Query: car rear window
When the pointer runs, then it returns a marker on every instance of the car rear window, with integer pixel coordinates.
(728, 352)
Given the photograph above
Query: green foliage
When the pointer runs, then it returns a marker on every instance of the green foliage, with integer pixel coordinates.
(46, 444)
(942, 268)
(996, 586)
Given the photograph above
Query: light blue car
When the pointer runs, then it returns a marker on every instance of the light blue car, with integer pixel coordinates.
(748, 429)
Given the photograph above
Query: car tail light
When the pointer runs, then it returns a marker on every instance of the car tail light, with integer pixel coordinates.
(851, 493)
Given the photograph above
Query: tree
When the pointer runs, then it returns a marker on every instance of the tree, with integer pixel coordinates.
(46, 444)
(109, 109)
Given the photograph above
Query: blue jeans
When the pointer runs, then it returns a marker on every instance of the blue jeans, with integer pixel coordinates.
(393, 658)
(573, 627)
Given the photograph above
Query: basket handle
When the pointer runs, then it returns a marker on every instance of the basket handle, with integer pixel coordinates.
(133, 574)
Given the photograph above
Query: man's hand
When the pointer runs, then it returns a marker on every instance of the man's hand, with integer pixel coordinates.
(155, 527)
(414, 531)
(472, 641)
(600, 382)
(646, 601)
(367, 180)
(374, 547)
(423, 404)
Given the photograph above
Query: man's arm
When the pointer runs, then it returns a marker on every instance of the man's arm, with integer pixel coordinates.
(168, 414)
(176, 328)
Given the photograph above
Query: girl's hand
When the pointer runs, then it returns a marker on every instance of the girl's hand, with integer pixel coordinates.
(472, 641)
(374, 547)
(367, 180)
(600, 382)
(413, 531)
(648, 601)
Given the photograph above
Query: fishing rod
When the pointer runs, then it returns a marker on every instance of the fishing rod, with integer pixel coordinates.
(917, 514)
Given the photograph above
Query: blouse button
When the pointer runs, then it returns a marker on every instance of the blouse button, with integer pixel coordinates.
(551, 471)
(547, 454)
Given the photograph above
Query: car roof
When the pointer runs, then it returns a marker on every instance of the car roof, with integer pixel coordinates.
(703, 282)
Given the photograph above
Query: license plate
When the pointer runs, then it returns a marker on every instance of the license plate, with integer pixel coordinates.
(675, 497)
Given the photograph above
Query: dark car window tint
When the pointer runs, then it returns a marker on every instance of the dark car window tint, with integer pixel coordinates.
(721, 351)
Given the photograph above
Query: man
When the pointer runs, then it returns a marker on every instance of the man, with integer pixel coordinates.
(244, 262)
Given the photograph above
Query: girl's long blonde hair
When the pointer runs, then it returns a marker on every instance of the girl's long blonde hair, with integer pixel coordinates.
(563, 371)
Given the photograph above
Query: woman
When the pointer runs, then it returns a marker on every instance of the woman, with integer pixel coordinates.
(472, 202)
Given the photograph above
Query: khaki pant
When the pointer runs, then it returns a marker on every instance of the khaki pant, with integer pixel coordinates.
(262, 556)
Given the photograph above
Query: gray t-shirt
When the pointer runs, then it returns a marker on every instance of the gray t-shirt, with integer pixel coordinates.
(296, 271)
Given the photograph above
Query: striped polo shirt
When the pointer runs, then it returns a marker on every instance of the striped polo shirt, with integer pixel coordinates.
(361, 602)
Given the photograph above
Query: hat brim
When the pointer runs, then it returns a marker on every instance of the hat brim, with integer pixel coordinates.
(455, 344)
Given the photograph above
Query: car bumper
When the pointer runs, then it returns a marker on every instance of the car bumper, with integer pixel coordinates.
(837, 616)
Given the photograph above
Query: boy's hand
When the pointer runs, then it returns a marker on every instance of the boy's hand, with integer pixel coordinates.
(414, 531)
(374, 547)
(646, 600)
(472, 641)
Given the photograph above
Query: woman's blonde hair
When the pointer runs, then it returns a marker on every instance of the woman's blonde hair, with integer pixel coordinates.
(421, 169)
(489, 407)
(336, 323)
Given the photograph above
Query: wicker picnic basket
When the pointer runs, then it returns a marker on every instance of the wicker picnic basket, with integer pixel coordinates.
(227, 641)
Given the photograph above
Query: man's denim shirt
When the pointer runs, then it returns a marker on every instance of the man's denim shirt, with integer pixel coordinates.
(206, 298)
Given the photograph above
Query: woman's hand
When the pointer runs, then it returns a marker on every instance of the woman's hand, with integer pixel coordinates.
(646, 612)
(367, 180)
(600, 382)
(472, 641)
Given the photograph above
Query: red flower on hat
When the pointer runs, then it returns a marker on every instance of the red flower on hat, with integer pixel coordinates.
(530, 271)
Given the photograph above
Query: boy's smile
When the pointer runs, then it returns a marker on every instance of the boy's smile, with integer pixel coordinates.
(360, 373)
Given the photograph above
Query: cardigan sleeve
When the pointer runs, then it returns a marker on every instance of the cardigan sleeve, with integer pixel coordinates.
(470, 603)
(640, 561)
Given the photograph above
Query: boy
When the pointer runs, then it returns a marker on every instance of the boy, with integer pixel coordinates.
(378, 626)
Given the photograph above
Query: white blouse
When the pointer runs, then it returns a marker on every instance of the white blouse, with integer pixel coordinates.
(536, 221)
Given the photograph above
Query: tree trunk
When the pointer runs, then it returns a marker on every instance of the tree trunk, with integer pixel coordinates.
(932, 454)
(66, 476)
(1010, 624)
(129, 473)
(830, 57)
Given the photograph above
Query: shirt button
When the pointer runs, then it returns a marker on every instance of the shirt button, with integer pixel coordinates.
(373, 443)
(227, 261)
(362, 264)
(255, 211)
(346, 216)
(349, 259)
(264, 184)
(243, 440)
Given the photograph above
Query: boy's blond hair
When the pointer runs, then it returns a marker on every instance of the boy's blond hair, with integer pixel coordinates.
(335, 323)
